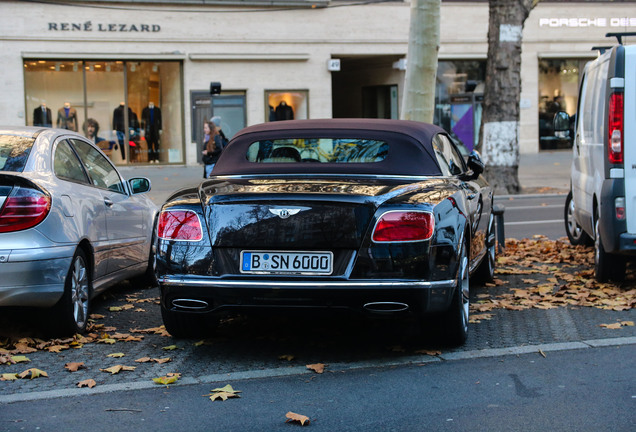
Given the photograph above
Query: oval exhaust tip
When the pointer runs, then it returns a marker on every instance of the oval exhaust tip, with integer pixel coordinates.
(190, 304)
(386, 307)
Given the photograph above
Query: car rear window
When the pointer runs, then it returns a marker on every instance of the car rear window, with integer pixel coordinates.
(14, 152)
(318, 150)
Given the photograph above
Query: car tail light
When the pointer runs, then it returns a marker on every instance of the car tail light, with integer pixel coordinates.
(24, 208)
(179, 225)
(619, 205)
(404, 226)
(615, 139)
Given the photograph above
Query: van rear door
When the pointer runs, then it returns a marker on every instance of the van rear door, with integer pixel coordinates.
(629, 139)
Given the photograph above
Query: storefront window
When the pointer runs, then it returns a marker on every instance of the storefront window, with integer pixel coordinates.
(286, 105)
(93, 97)
(458, 99)
(558, 91)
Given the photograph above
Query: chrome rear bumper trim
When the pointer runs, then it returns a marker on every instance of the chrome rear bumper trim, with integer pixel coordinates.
(371, 284)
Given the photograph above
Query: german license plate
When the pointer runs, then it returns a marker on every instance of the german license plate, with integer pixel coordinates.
(281, 262)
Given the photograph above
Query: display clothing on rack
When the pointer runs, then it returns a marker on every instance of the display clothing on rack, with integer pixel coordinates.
(119, 126)
(42, 116)
(284, 111)
(67, 118)
(151, 124)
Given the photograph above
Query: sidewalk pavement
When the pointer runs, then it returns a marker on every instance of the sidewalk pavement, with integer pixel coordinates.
(544, 172)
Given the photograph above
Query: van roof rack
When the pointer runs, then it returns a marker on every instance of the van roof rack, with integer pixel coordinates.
(601, 49)
(619, 36)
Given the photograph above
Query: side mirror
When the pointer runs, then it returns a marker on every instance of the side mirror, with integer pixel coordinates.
(139, 185)
(475, 163)
(476, 166)
(561, 121)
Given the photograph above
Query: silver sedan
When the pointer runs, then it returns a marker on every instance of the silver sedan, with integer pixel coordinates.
(70, 225)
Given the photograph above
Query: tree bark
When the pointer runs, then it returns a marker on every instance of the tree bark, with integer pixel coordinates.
(499, 134)
(418, 101)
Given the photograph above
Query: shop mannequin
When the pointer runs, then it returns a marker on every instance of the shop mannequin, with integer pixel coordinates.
(119, 126)
(42, 116)
(284, 111)
(151, 124)
(67, 117)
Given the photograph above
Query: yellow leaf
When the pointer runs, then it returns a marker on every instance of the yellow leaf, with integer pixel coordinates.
(317, 367)
(611, 326)
(96, 316)
(113, 369)
(291, 417)
(170, 347)
(107, 341)
(74, 366)
(114, 308)
(432, 353)
(33, 373)
(227, 389)
(165, 380)
(22, 359)
(162, 360)
(628, 323)
(116, 355)
(143, 360)
(90, 383)
(9, 377)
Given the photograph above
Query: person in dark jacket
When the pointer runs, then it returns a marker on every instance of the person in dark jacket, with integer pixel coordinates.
(212, 147)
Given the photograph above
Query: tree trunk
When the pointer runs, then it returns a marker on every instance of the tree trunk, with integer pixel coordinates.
(499, 135)
(418, 101)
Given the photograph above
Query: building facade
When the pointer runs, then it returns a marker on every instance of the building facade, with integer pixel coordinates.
(143, 71)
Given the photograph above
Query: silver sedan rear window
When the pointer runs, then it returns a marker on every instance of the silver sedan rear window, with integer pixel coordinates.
(14, 152)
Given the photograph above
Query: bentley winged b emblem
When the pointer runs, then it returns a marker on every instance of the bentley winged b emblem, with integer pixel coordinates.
(284, 213)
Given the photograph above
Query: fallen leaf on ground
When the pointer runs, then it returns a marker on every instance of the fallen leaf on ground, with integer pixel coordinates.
(287, 357)
(170, 348)
(429, 352)
(74, 366)
(116, 355)
(293, 417)
(223, 393)
(118, 368)
(168, 379)
(9, 377)
(317, 367)
(612, 326)
(90, 383)
(33, 373)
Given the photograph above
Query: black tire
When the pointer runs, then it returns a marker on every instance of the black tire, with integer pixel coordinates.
(606, 266)
(184, 325)
(575, 233)
(455, 320)
(70, 315)
(486, 270)
(149, 277)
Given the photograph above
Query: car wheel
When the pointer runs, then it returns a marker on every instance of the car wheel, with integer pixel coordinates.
(575, 233)
(456, 319)
(183, 325)
(70, 314)
(606, 266)
(486, 270)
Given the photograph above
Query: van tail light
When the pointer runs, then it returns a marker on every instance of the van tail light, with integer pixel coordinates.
(24, 208)
(619, 205)
(615, 123)
(179, 225)
(404, 226)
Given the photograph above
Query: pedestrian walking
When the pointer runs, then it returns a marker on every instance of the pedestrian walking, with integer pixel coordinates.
(212, 147)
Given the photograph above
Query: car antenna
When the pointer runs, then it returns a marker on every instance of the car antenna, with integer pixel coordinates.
(619, 36)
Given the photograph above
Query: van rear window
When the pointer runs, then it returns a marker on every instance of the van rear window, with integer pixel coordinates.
(318, 150)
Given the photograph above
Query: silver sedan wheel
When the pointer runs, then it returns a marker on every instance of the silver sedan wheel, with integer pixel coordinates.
(573, 228)
(79, 291)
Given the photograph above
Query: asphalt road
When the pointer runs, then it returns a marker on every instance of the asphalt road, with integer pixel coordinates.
(537, 214)
(574, 390)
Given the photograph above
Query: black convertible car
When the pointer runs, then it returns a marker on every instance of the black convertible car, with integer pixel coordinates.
(378, 216)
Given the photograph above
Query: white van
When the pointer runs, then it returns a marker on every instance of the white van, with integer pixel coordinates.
(602, 202)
